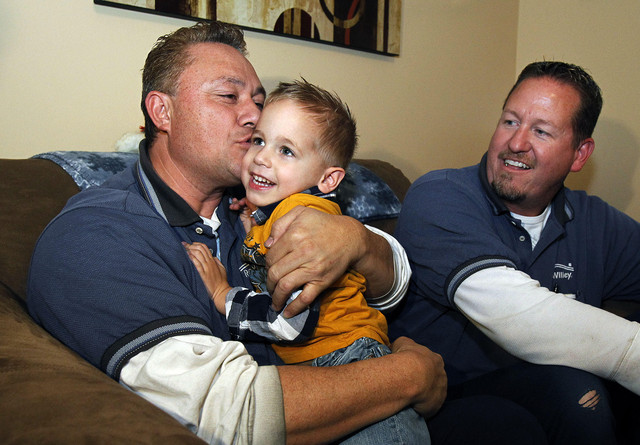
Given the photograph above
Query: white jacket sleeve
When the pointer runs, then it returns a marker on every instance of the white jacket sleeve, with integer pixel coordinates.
(213, 387)
(543, 327)
(402, 274)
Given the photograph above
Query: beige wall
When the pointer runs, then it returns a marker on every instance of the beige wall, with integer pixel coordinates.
(602, 36)
(70, 78)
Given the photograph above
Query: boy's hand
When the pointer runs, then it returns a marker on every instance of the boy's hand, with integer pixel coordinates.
(246, 209)
(212, 272)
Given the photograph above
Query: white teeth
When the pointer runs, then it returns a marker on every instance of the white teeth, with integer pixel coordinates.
(518, 164)
(261, 180)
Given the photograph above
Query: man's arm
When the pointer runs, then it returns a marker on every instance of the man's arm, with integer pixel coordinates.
(212, 387)
(312, 249)
(341, 399)
(543, 327)
(218, 391)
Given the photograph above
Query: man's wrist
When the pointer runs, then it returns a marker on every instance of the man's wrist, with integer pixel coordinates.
(374, 261)
(401, 275)
(352, 230)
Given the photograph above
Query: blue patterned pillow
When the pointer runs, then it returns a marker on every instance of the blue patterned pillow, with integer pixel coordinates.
(89, 169)
(365, 197)
(361, 195)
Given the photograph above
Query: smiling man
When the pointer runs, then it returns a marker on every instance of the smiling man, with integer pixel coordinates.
(511, 269)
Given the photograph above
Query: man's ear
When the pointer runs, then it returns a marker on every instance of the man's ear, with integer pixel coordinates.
(583, 152)
(331, 178)
(159, 108)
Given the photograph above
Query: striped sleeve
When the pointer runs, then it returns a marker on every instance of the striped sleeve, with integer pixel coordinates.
(251, 317)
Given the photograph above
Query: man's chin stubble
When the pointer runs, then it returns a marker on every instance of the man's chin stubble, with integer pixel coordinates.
(506, 193)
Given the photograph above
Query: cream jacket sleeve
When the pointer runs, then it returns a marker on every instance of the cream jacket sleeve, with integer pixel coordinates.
(540, 326)
(213, 387)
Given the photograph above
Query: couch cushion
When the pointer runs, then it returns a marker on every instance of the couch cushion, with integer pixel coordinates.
(32, 192)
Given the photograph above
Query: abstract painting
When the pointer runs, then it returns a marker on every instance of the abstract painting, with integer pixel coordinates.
(367, 25)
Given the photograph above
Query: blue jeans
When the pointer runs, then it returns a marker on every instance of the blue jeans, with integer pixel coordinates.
(406, 427)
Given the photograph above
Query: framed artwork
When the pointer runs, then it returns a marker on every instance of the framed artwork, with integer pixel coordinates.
(366, 25)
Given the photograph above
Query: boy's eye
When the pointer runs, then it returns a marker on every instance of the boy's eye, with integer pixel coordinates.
(286, 151)
(258, 141)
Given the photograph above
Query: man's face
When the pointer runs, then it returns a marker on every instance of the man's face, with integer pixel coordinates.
(283, 158)
(213, 112)
(532, 149)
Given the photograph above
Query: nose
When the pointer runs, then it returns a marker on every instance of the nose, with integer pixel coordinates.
(249, 115)
(262, 157)
(519, 141)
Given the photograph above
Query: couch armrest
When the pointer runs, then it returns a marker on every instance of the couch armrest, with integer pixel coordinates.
(51, 395)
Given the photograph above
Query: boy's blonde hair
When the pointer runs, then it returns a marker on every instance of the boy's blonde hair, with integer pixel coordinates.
(338, 136)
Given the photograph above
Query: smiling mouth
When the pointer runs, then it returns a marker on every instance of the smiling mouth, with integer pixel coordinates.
(261, 181)
(516, 164)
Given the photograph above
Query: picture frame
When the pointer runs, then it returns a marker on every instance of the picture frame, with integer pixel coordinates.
(364, 25)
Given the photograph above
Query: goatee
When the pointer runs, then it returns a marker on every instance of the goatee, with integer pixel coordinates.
(506, 191)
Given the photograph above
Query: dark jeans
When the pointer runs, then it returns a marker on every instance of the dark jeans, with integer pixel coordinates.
(536, 404)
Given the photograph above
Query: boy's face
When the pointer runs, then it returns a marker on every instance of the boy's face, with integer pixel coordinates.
(282, 159)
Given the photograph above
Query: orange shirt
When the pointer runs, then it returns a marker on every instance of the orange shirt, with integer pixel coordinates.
(344, 313)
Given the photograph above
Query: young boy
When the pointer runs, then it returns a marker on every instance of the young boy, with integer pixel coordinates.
(301, 146)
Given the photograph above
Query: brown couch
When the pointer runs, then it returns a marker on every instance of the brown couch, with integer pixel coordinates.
(48, 393)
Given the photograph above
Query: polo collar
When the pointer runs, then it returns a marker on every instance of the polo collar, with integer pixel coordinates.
(262, 214)
(561, 207)
(174, 209)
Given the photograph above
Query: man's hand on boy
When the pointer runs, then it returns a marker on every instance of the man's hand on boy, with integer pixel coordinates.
(309, 249)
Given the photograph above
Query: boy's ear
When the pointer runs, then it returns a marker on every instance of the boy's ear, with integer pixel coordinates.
(158, 106)
(331, 178)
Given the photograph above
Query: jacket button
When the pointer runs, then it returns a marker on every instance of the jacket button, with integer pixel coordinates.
(522, 238)
(199, 230)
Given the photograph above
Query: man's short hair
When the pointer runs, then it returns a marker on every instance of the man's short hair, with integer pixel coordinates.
(338, 135)
(586, 117)
(170, 56)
